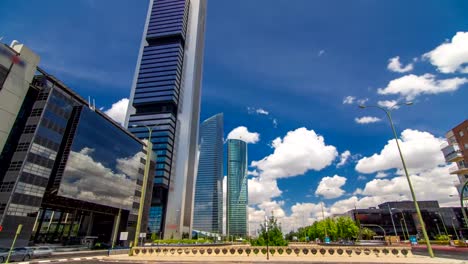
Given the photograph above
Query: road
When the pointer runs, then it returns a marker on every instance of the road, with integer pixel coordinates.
(460, 255)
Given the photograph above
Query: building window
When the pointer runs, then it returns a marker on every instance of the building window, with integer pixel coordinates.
(22, 146)
(461, 133)
(37, 170)
(466, 146)
(29, 129)
(29, 189)
(43, 151)
(15, 166)
(7, 186)
(21, 210)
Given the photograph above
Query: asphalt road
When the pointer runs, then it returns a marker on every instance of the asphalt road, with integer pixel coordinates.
(442, 254)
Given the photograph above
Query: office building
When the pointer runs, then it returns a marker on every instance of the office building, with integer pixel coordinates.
(237, 189)
(456, 150)
(68, 171)
(208, 213)
(438, 220)
(166, 95)
(17, 67)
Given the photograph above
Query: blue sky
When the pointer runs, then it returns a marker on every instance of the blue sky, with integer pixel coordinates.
(297, 60)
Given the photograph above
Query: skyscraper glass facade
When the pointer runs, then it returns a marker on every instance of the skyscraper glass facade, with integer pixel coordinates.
(166, 96)
(237, 189)
(208, 213)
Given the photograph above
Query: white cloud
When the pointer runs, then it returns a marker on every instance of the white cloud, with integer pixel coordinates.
(253, 173)
(330, 187)
(118, 110)
(452, 56)
(420, 149)
(299, 151)
(395, 65)
(275, 122)
(261, 111)
(362, 101)
(343, 158)
(381, 175)
(261, 189)
(349, 99)
(388, 104)
(410, 86)
(243, 133)
(367, 119)
(361, 178)
(321, 52)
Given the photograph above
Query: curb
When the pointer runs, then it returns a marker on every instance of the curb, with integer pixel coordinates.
(60, 260)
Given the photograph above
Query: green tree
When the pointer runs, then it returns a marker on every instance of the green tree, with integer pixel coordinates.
(271, 233)
(347, 228)
(367, 233)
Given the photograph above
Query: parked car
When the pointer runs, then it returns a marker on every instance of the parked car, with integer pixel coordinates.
(18, 254)
(42, 252)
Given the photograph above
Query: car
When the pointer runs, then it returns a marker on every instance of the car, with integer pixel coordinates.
(42, 252)
(18, 254)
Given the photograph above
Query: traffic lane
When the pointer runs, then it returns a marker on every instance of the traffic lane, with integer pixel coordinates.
(441, 253)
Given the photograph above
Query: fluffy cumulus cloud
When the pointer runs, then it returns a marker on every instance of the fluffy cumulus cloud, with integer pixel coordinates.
(381, 175)
(243, 133)
(451, 56)
(420, 149)
(388, 104)
(349, 99)
(330, 187)
(299, 151)
(395, 65)
(343, 158)
(261, 189)
(410, 86)
(118, 111)
(367, 119)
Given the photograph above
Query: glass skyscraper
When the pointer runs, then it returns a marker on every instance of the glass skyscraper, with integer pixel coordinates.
(208, 215)
(166, 95)
(237, 189)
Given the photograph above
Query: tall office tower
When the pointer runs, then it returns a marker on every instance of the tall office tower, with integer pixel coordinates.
(17, 67)
(166, 95)
(456, 150)
(208, 216)
(237, 189)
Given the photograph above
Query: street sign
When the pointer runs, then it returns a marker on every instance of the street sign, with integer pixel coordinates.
(142, 235)
(123, 236)
(413, 240)
(327, 240)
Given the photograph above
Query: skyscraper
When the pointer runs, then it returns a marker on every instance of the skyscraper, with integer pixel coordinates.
(166, 95)
(208, 216)
(237, 189)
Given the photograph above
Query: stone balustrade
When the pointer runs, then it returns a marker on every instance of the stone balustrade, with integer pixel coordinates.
(276, 252)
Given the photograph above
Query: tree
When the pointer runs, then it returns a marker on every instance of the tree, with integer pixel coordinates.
(367, 233)
(347, 228)
(270, 233)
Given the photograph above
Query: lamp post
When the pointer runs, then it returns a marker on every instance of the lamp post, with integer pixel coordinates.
(423, 226)
(391, 217)
(404, 221)
(443, 222)
(401, 224)
(437, 225)
(149, 150)
(454, 229)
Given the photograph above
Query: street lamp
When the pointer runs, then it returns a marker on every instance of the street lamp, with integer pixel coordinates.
(393, 222)
(389, 115)
(443, 222)
(454, 229)
(149, 150)
(404, 221)
(437, 225)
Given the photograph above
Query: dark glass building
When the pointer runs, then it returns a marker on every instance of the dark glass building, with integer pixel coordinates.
(438, 220)
(237, 189)
(67, 170)
(166, 96)
(208, 213)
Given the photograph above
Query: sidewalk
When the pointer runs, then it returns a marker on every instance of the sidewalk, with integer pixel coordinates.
(262, 259)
